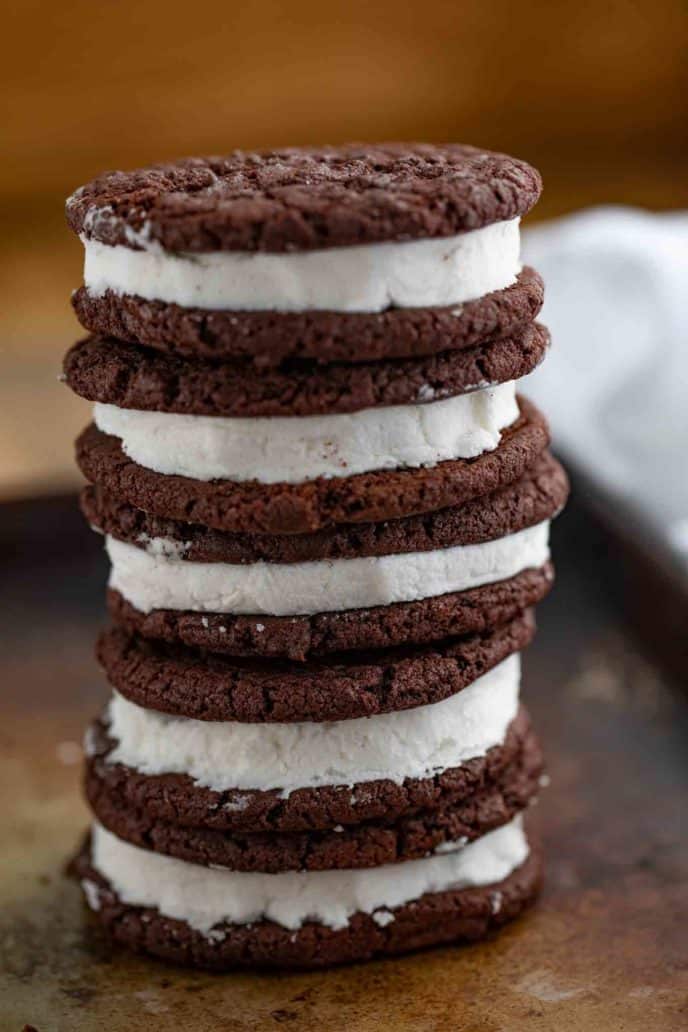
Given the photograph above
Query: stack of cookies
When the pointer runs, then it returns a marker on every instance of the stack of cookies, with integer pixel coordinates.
(327, 510)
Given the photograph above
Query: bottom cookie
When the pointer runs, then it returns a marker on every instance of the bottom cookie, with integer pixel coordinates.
(301, 638)
(221, 920)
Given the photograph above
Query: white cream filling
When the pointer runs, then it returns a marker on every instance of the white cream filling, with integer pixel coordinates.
(414, 743)
(204, 897)
(365, 278)
(159, 578)
(291, 449)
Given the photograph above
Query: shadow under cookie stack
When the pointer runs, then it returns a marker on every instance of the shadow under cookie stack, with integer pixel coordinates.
(327, 511)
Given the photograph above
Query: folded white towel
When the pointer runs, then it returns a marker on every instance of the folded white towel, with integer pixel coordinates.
(615, 386)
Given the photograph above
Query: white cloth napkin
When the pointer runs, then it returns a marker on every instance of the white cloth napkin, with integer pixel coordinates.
(615, 384)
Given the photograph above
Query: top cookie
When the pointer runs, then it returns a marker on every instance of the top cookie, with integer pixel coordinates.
(301, 199)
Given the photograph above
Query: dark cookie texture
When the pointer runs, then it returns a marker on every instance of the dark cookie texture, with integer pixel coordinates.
(459, 915)
(208, 686)
(301, 638)
(125, 375)
(177, 799)
(354, 846)
(270, 338)
(539, 495)
(305, 507)
(306, 198)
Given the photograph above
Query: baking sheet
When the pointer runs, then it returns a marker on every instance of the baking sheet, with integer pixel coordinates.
(606, 948)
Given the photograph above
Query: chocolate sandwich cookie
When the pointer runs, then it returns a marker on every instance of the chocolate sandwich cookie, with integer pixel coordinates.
(292, 508)
(113, 373)
(539, 495)
(207, 686)
(305, 198)
(343, 847)
(327, 514)
(178, 799)
(300, 638)
(454, 915)
(270, 338)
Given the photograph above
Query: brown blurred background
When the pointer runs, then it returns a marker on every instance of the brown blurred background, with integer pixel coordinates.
(595, 94)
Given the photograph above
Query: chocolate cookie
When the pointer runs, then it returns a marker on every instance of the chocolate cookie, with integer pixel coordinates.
(302, 508)
(300, 638)
(539, 495)
(305, 198)
(436, 918)
(354, 846)
(130, 377)
(270, 338)
(178, 799)
(206, 686)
